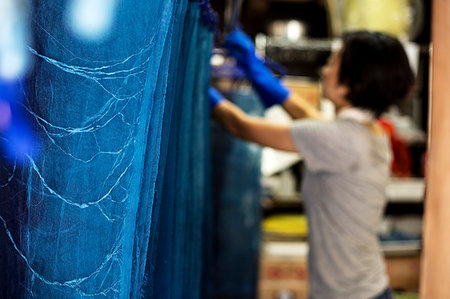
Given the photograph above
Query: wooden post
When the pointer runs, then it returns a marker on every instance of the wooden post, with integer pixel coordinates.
(435, 279)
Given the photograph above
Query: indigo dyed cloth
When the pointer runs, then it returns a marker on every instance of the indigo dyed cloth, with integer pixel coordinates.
(183, 192)
(112, 207)
(236, 169)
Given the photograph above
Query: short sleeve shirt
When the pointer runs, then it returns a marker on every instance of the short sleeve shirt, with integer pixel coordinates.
(347, 169)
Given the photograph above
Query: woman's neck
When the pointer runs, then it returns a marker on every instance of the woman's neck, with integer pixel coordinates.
(339, 108)
(359, 115)
(364, 117)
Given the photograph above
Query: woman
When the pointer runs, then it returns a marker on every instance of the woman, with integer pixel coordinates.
(347, 159)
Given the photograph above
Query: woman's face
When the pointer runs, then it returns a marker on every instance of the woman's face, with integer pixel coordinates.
(333, 90)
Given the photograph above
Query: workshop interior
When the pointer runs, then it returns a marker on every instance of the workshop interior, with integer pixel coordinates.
(116, 181)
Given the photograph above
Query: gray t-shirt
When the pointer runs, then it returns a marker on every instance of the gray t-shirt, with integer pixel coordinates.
(347, 169)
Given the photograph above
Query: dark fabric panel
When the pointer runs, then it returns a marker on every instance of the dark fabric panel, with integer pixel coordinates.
(236, 193)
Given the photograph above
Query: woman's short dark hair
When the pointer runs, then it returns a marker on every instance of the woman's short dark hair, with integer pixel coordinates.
(375, 68)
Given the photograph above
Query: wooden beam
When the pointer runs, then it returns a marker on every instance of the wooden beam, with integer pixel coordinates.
(435, 279)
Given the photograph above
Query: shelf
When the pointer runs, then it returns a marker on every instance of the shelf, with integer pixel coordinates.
(406, 190)
(398, 190)
(401, 248)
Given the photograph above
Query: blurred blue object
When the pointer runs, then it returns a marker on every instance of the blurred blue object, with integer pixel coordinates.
(215, 97)
(8, 95)
(19, 143)
(269, 88)
(5, 115)
(241, 47)
(18, 140)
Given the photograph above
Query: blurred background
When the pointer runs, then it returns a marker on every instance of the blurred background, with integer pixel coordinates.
(296, 37)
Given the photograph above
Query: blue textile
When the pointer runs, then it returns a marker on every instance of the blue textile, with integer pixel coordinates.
(112, 208)
(177, 268)
(236, 169)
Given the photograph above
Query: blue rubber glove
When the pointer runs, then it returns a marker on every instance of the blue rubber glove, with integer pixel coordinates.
(269, 88)
(215, 97)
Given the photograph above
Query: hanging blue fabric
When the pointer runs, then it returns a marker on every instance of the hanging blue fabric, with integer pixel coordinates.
(236, 173)
(175, 265)
(158, 272)
(114, 205)
(208, 16)
(187, 166)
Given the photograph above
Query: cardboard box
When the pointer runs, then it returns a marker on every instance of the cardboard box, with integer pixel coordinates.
(283, 271)
(308, 89)
(404, 272)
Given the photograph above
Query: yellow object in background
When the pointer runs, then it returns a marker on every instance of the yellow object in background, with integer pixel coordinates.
(293, 225)
(389, 16)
